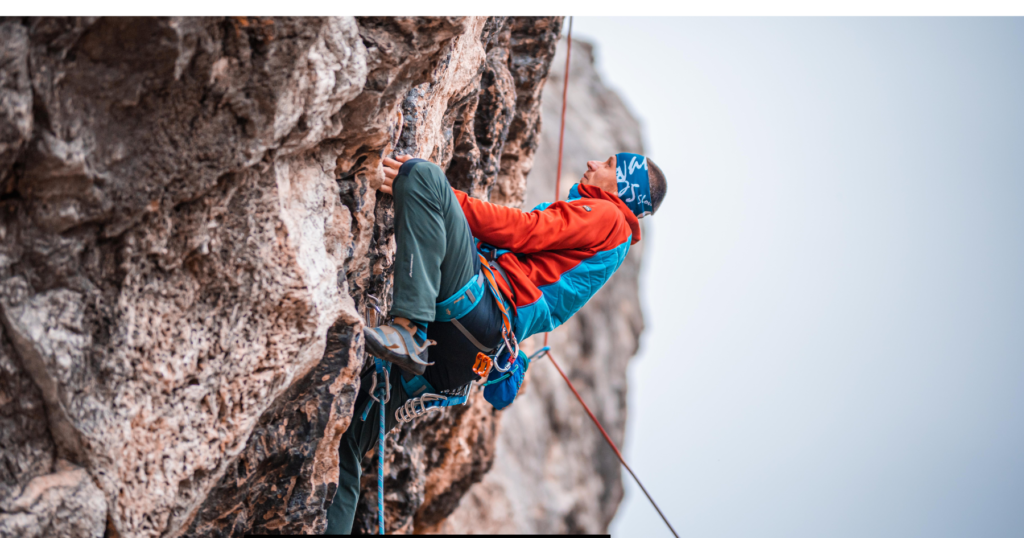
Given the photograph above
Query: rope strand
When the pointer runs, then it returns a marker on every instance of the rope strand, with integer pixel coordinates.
(380, 470)
(561, 130)
(547, 350)
(610, 442)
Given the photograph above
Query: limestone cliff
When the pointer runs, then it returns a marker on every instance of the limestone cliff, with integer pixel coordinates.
(189, 230)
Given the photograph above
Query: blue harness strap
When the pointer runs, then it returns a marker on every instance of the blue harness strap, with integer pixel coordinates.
(466, 299)
(418, 386)
(427, 399)
(462, 302)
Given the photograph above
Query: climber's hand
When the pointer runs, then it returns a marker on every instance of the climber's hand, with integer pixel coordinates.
(391, 167)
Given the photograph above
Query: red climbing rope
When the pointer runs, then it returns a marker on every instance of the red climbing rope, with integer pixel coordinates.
(610, 442)
(547, 350)
(561, 130)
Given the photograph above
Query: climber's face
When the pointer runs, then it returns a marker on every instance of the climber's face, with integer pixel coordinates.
(601, 174)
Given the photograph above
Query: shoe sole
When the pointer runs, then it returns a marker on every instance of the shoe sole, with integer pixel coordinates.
(375, 348)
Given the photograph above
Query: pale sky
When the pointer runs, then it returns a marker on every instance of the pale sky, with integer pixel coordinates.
(833, 287)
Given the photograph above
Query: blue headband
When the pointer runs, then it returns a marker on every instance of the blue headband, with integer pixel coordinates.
(634, 183)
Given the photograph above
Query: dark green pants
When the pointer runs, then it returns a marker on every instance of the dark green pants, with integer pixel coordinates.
(434, 259)
(435, 249)
(359, 439)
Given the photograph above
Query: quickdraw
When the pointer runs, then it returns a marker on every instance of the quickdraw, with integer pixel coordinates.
(415, 408)
(428, 401)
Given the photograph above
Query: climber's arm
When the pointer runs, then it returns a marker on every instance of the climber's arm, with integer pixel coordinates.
(561, 226)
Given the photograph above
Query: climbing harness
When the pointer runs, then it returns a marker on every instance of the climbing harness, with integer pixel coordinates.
(546, 349)
(529, 359)
(507, 334)
(464, 300)
(423, 398)
(427, 399)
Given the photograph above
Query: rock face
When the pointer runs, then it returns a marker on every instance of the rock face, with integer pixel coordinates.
(189, 233)
(552, 471)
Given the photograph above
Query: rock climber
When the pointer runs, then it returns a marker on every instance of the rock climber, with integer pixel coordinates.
(454, 252)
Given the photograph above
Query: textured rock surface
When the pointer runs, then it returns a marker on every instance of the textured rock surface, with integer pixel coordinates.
(553, 472)
(189, 230)
(173, 240)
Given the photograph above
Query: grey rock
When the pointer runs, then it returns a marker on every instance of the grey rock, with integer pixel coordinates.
(64, 503)
(15, 98)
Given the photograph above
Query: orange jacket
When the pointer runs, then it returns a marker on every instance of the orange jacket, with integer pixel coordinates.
(556, 256)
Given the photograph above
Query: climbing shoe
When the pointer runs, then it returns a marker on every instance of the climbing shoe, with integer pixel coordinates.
(394, 343)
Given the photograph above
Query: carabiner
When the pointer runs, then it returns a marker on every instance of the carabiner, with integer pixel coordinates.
(386, 389)
(513, 351)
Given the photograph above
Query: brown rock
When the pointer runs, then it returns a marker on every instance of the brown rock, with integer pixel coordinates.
(189, 230)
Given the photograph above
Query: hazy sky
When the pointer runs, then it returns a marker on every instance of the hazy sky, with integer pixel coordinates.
(833, 286)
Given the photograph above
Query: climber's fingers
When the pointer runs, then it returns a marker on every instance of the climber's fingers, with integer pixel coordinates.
(391, 167)
(396, 163)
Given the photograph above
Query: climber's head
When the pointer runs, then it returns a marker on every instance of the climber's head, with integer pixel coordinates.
(634, 178)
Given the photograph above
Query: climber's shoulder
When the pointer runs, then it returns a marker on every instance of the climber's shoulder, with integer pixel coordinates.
(597, 209)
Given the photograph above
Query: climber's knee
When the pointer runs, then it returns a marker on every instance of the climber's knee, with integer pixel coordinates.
(423, 178)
